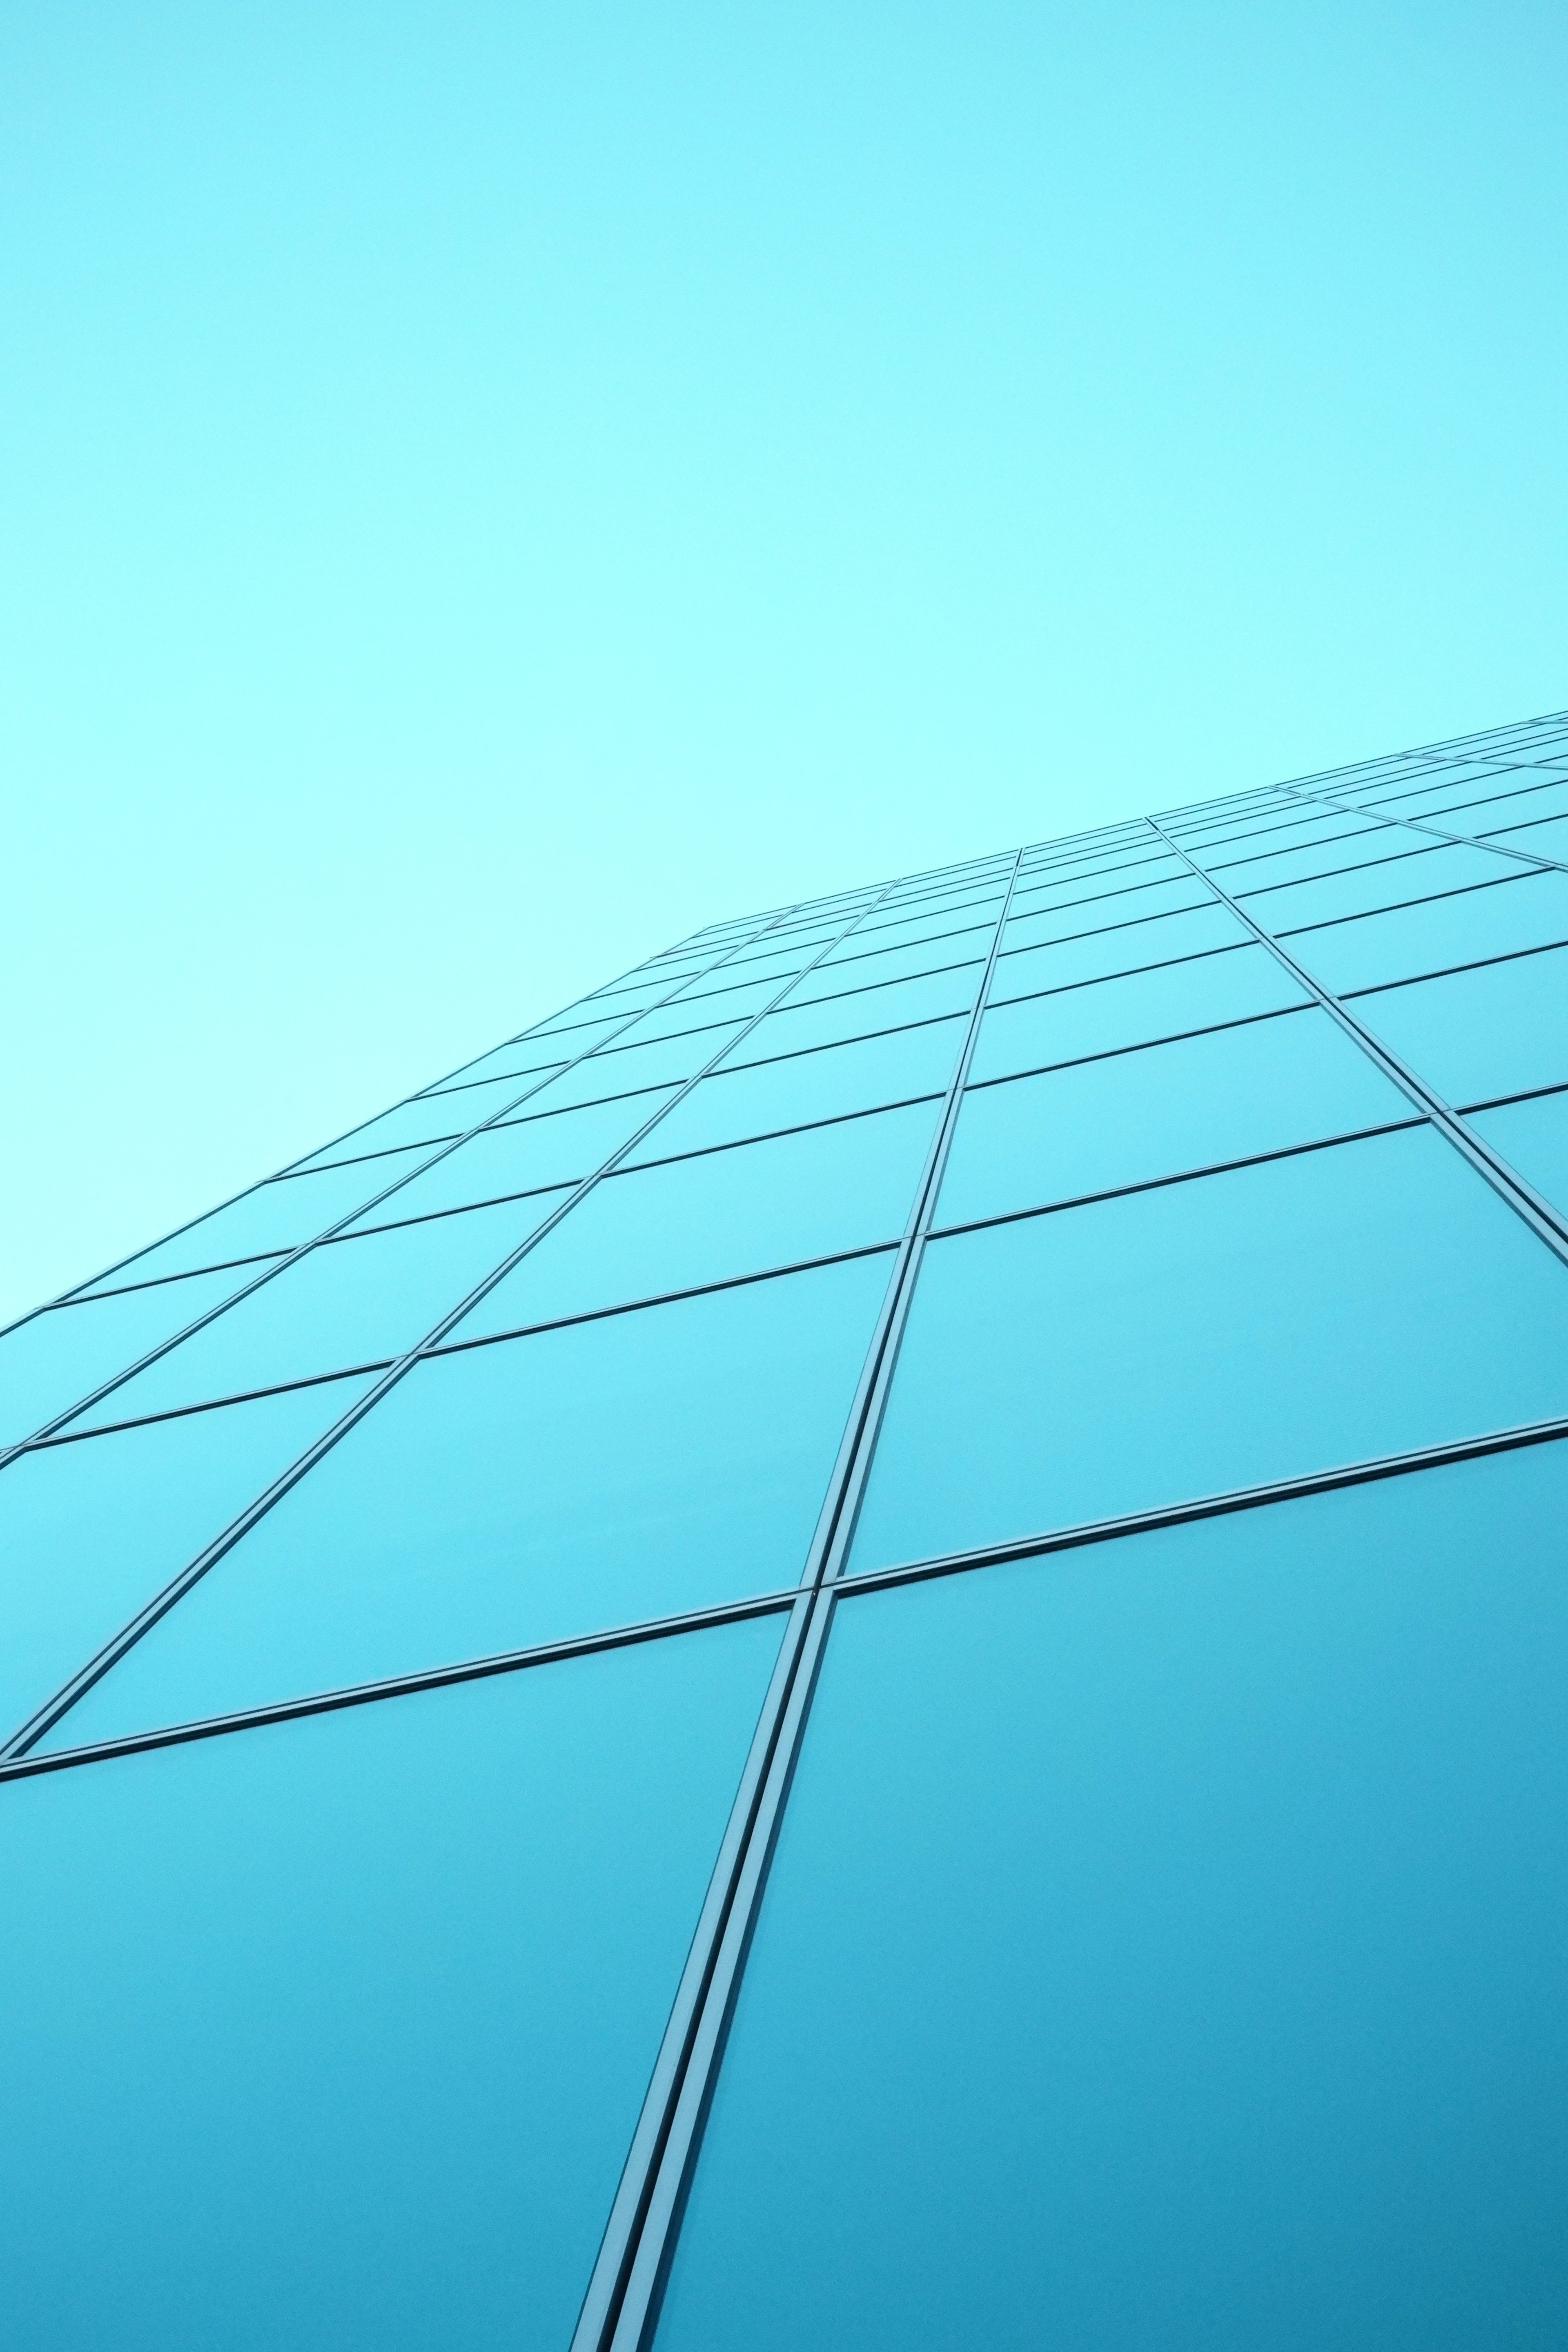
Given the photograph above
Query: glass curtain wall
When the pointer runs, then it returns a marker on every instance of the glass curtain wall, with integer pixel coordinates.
(863, 1645)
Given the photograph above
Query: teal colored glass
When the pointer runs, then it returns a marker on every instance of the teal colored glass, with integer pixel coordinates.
(1362, 841)
(335, 2034)
(346, 1304)
(526, 1155)
(1533, 1137)
(1328, 1308)
(491, 1087)
(1032, 925)
(1529, 911)
(598, 1474)
(1424, 870)
(719, 1214)
(829, 1083)
(629, 1069)
(272, 1217)
(563, 1037)
(1164, 1948)
(1544, 837)
(862, 1013)
(688, 1013)
(55, 1358)
(1130, 1118)
(91, 1529)
(910, 918)
(1497, 1030)
(857, 966)
(428, 1119)
(1123, 947)
(1067, 1024)
(1460, 811)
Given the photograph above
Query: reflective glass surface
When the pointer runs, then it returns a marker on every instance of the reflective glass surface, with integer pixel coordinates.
(1207, 1335)
(624, 1069)
(1131, 1117)
(53, 1360)
(1070, 1022)
(335, 2032)
(345, 1304)
(1532, 1136)
(91, 1529)
(598, 1474)
(1423, 871)
(1493, 1031)
(428, 1119)
(1164, 1948)
(824, 1084)
(1362, 841)
(719, 1214)
(1547, 838)
(1364, 953)
(1032, 922)
(557, 1148)
(860, 1012)
(857, 965)
(737, 1002)
(1123, 947)
(273, 1217)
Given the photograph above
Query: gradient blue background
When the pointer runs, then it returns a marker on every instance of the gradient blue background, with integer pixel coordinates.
(488, 489)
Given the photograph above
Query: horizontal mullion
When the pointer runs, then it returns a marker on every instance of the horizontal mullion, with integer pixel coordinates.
(1446, 970)
(1127, 971)
(1525, 1094)
(1396, 906)
(1137, 1044)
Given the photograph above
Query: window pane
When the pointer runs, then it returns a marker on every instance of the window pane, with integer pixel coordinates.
(335, 2034)
(63, 1354)
(1315, 1310)
(1163, 1948)
(275, 1216)
(824, 1083)
(721, 1213)
(624, 1069)
(558, 1148)
(1421, 872)
(1376, 949)
(558, 1039)
(594, 1475)
(1135, 1115)
(1070, 1022)
(1494, 1031)
(1032, 923)
(90, 1530)
(686, 1013)
(345, 1304)
(861, 1014)
(1361, 841)
(1548, 839)
(1533, 1137)
(855, 967)
(1127, 946)
(428, 1119)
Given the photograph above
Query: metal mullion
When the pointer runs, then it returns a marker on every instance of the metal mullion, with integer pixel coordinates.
(1135, 1046)
(631, 1636)
(1543, 1220)
(621, 2301)
(1438, 833)
(111, 1653)
(291, 1257)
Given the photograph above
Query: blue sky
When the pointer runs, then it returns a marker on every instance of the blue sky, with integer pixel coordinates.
(490, 490)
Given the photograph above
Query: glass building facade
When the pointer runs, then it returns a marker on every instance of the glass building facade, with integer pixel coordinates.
(865, 1645)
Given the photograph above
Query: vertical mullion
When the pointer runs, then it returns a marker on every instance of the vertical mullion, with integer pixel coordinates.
(620, 2307)
(1545, 1221)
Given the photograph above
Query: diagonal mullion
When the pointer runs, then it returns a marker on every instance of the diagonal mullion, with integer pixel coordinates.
(1546, 1222)
(1437, 832)
(45, 1718)
(620, 2306)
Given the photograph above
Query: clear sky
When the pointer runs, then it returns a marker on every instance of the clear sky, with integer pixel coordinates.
(489, 488)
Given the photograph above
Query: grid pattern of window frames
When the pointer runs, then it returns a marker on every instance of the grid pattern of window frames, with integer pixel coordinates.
(862, 1646)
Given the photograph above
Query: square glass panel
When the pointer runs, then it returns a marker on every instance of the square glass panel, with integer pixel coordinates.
(863, 1013)
(1421, 872)
(92, 1528)
(335, 2034)
(54, 1359)
(523, 1156)
(602, 1474)
(1130, 1118)
(1376, 949)
(1533, 1138)
(1124, 947)
(271, 1218)
(1164, 1948)
(736, 1211)
(824, 1083)
(343, 1305)
(1497, 1030)
(1323, 1309)
(1070, 1022)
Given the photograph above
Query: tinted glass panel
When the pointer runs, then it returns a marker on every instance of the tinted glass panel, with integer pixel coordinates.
(274, 1217)
(56, 1358)
(1163, 1948)
(1127, 946)
(821, 1084)
(861, 1013)
(1072, 1021)
(1420, 874)
(721, 1213)
(348, 1303)
(89, 1531)
(1533, 1136)
(686, 1015)
(1517, 914)
(1361, 842)
(625, 1068)
(1031, 923)
(1210, 1336)
(563, 1037)
(427, 1119)
(335, 2034)
(1131, 1117)
(855, 968)
(523, 1156)
(594, 1475)
(1494, 1031)
(1542, 840)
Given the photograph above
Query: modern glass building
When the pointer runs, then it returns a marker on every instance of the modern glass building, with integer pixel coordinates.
(865, 1645)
